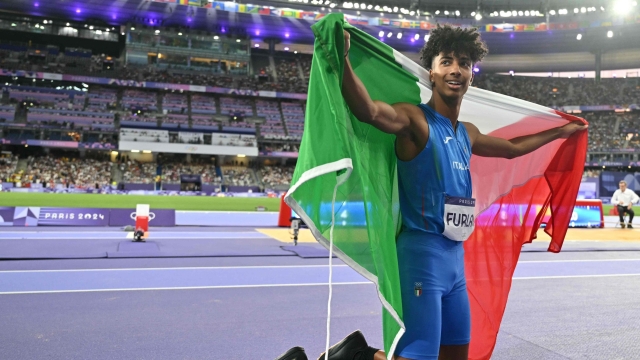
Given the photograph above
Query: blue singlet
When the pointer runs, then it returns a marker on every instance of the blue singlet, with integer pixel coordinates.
(434, 293)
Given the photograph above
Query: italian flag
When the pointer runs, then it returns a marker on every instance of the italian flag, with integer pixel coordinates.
(345, 184)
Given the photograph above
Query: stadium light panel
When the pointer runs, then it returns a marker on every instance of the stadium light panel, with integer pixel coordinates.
(437, 12)
(457, 12)
(412, 12)
(135, 151)
(256, 45)
(478, 16)
(146, 151)
(179, 34)
(286, 48)
(389, 34)
(362, 6)
(520, 13)
(526, 13)
(91, 27)
(552, 12)
(576, 10)
(133, 29)
(426, 38)
(601, 8)
(399, 36)
(369, 7)
(609, 34)
(622, 6)
(583, 9)
(395, 9)
(579, 37)
(446, 12)
(416, 37)
(473, 13)
(381, 33)
(238, 40)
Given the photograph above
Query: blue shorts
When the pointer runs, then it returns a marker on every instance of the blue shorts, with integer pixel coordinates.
(435, 303)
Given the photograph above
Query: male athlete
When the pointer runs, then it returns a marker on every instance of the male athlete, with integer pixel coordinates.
(434, 182)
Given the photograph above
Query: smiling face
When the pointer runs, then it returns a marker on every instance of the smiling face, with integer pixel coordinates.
(451, 75)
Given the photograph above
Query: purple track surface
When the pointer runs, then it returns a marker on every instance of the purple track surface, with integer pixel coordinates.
(562, 306)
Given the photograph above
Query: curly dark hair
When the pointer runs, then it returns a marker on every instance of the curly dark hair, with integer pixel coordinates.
(453, 39)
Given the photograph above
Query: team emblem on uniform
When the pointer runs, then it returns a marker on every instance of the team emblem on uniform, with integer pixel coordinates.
(418, 289)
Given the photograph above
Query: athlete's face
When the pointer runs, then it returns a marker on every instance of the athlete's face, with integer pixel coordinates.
(451, 75)
(623, 186)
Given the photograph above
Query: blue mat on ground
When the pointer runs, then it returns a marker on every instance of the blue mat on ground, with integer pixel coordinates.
(24, 249)
(308, 252)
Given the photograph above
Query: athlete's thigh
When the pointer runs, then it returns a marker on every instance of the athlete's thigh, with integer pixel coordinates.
(423, 325)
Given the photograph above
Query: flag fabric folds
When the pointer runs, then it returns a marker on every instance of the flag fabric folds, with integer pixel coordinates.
(345, 183)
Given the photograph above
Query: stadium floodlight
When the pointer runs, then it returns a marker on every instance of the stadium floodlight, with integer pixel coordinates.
(478, 16)
(583, 9)
(426, 38)
(377, 8)
(286, 48)
(473, 13)
(91, 27)
(416, 37)
(381, 33)
(362, 6)
(579, 37)
(256, 45)
(133, 29)
(395, 9)
(389, 34)
(399, 36)
(526, 13)
(576, 10)
(457, 12)
(216, 37)
(381, 14)
(369, 7)
(520, 13)
(68, 24)
(356, 5)
(601, 8)
(609, 34)
(412, 12)
(238, 40)
(44, 21)
(563, 12)
(552, 12)
(437, 12)
(622, 6)
(157, 32)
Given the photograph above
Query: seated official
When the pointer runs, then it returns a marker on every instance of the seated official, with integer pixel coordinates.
(624, 198)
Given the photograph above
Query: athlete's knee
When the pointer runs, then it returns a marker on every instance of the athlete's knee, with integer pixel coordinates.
(454, 352)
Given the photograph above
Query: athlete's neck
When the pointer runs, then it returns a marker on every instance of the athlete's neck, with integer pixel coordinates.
(449, 108)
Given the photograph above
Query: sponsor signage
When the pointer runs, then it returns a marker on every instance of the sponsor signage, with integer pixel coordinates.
(73, 217)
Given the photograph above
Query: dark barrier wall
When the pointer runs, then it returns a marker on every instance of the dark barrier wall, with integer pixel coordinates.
(131, 186)
(609, 182)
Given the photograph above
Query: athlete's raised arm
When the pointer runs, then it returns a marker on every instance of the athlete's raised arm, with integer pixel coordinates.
(392, 119)
(489, 146)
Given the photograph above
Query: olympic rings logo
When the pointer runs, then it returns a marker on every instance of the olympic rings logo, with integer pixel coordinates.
(151, 216)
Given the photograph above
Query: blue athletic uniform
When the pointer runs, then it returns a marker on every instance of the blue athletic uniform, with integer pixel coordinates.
(435, 303)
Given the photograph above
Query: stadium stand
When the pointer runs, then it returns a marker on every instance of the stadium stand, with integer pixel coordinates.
(238, 176)
(102, 98)
(7, 113)
(139, 100)
(71, 118)
(175, 103)
(69, 172)
(171, 172)
(8, 163)
(294, 119)
(140, 135)
(138, 173)
(239, 108)
(272, 128)
(276, 176)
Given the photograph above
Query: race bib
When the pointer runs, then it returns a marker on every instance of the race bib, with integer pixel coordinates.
(458, 217)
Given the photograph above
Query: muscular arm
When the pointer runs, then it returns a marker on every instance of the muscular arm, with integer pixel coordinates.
(489, 146)
(392, 119)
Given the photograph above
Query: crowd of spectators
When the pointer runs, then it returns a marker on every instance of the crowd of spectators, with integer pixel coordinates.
(83, 173)
(8, 164)
(171, 172)
(137, 172)
(277, 175)
(238, 176)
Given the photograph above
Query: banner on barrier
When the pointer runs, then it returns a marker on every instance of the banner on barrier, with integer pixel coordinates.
(157, 217)
(48, 216)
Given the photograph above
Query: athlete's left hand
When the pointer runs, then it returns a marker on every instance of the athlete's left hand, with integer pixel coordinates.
(570, 128)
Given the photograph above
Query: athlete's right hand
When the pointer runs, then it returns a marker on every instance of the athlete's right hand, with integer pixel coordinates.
(347, 42)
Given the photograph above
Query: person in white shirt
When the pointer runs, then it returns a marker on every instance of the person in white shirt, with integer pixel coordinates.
(624, 199)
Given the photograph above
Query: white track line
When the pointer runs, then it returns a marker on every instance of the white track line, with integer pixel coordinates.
(186, 288)
(177, 268)
(268, 266)
(279, 285)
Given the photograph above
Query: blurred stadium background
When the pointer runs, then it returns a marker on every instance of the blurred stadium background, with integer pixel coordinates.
(207, 98)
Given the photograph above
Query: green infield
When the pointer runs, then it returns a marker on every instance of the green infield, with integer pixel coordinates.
(202, 203)
(606, 209)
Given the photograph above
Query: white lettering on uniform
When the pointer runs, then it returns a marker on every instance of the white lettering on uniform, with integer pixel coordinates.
(459, 166)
